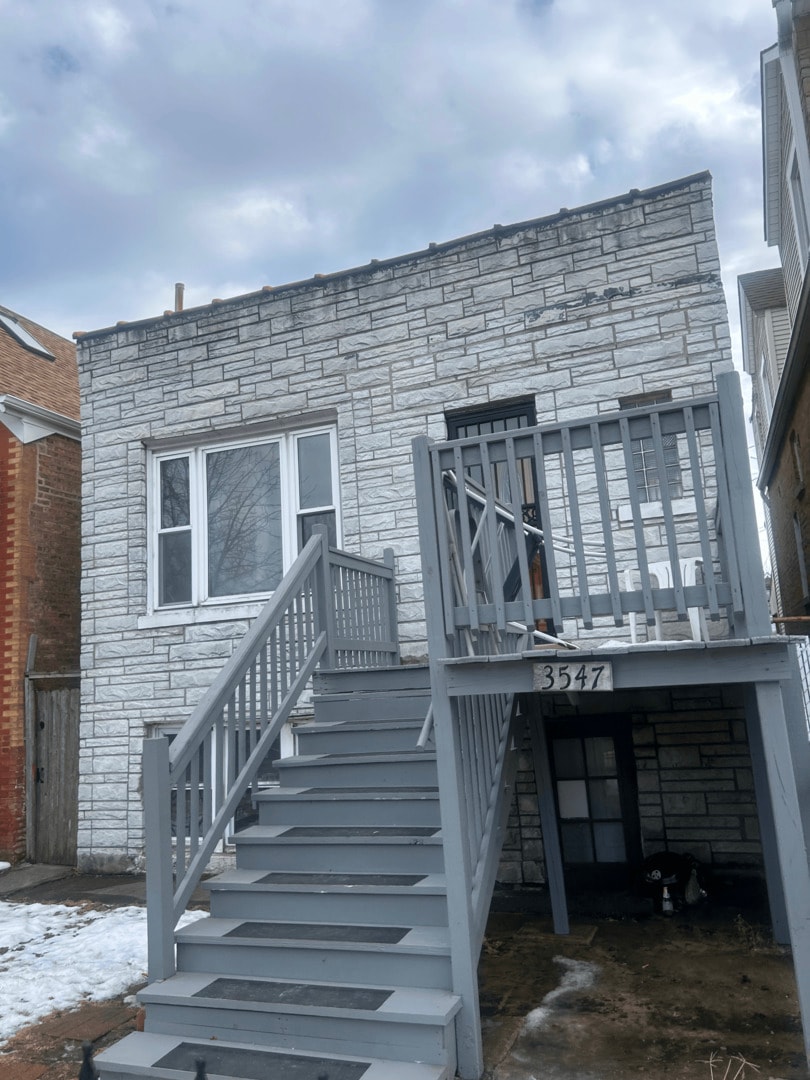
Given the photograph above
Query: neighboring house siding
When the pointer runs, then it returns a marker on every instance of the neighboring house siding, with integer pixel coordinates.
(39, 576)
(790, 511)
(788, 243)
(576, 311)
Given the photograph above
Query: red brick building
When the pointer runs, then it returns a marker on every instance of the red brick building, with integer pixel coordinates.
(40, 489)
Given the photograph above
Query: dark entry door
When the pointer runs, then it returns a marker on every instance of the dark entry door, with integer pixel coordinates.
(55, 776)
(491, 420)
(596, 797)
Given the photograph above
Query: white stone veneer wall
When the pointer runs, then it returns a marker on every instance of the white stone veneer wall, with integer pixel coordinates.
(579, 309)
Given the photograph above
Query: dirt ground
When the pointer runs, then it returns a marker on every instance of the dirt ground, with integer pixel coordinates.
(626, 994)
(702, 995)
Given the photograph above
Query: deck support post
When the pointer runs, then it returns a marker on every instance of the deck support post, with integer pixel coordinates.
(548, 819)
(755, 619)
(458, 872)
(767, 826)
(457, 868)
(765, 707)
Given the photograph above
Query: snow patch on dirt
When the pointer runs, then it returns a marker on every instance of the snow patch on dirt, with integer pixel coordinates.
(53, 956)
(577, 975)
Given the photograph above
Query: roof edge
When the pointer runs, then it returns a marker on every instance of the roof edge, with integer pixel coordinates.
(29, 422)
(563, 214)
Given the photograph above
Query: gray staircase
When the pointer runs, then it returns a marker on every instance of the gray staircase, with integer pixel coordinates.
(326, 953)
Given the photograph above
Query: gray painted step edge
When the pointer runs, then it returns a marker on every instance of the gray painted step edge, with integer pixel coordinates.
(430, 940)
(431, 884)
(399, 677)
(136, 1054)
(406, 1005)
(244, 895)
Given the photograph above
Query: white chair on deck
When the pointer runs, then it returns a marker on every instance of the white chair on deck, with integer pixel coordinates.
(661, 578)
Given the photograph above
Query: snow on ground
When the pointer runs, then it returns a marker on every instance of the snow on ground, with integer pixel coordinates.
(57, 957)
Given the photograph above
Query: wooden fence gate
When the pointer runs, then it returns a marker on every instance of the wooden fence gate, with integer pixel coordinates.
(52, 751)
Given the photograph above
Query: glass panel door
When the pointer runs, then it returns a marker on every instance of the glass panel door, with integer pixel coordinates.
(589, 799)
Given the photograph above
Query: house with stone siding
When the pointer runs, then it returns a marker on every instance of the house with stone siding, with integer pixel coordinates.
(40, 467)
(494, 495)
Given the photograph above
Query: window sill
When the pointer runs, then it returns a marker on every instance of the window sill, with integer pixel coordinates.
(192, 616)
(654, 511)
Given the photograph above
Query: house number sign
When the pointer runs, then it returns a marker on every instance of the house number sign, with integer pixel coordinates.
(555, 676)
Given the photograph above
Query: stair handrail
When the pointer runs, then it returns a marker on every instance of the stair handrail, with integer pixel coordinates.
(219, 751)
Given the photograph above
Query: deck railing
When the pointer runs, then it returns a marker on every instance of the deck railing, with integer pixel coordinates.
(580, 529)
(635, 514)
(331, 607)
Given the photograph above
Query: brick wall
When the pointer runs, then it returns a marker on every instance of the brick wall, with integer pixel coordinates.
(576, 310)
(39, 577)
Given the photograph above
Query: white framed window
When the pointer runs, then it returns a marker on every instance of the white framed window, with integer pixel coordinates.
(645, 463)
(799, 210)
(229, 518)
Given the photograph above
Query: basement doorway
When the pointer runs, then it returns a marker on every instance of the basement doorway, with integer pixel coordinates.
(595, 793)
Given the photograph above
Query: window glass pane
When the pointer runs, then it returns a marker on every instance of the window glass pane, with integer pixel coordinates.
(605, 802)
(174, 572)
(244, 520)
(314, 471)
(600, 756)
(568, 760)
(573, 798)
(609, 839)
(576, 843)
(307, 521)
(174, 493)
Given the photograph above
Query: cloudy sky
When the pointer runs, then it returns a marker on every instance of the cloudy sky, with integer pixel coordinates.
(235, 144)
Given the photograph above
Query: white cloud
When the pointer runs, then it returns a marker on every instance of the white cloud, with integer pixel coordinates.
(107, 155)
(264, 140)
(111, 29)
(7, 116)
(253, 222)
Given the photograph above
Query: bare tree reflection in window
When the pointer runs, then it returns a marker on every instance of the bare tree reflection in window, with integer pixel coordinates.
(244, 520)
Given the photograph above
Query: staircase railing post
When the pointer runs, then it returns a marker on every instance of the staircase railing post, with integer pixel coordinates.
(458, 872)
(325, 598)
(389, 560)
(742, 530)
(158, 838)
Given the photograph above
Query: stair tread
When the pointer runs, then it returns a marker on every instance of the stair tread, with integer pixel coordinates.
(327, 882)
(359, 758)
(320, 726)
(266, 934)
(386, 1003)
(352, 794)
(172, 1056)
(337, 835)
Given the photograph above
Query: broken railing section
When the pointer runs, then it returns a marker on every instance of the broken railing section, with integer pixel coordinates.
(625, 507)
(330, 608)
